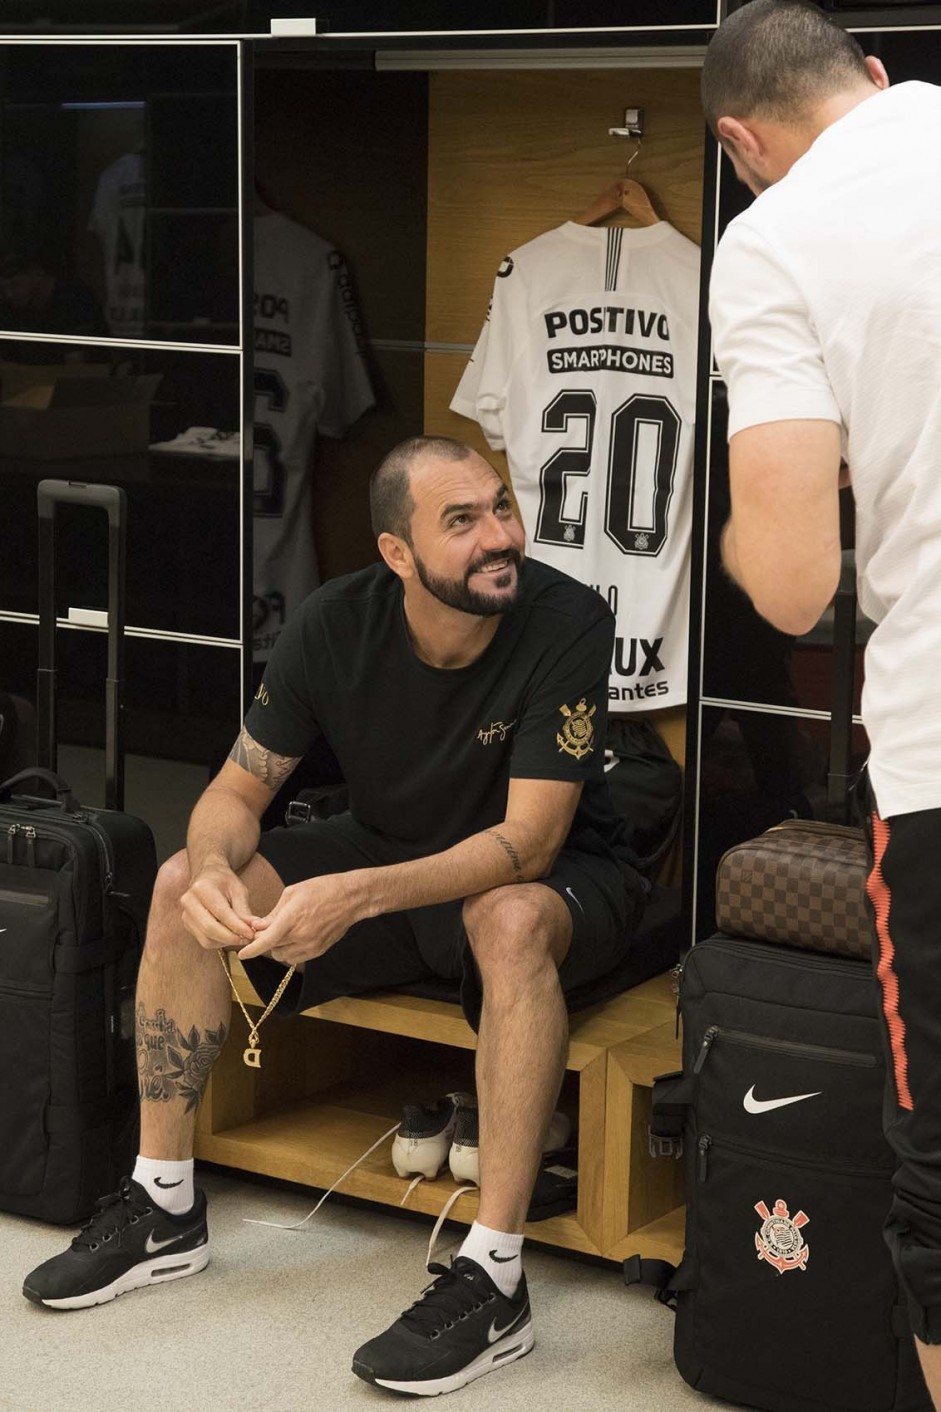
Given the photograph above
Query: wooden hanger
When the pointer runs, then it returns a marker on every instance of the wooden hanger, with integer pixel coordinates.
(623, 195)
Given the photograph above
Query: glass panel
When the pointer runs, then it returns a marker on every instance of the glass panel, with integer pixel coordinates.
(119, 192)
(115, 16)
(755, 770)
(254, 16)
(181, 470)
(430, 15)
(182, 702)
(907, 55)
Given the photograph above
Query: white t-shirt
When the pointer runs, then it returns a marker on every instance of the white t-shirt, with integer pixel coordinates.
(117, 218)
(585, 373)
(826, 304)
(310, 377)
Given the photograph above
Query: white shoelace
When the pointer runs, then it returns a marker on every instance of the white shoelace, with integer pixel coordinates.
(296, 1225)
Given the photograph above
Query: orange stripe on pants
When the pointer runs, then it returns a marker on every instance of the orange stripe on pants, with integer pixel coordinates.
(881, 899)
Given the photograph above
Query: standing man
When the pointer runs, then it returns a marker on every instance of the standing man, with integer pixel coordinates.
(826, 313)
(463, 692)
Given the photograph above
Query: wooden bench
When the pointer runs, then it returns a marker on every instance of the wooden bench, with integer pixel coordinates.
(335, 1079)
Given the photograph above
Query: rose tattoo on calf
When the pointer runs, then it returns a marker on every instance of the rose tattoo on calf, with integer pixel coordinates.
(171, 1064)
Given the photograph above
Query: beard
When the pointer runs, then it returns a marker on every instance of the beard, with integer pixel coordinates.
(457, 593)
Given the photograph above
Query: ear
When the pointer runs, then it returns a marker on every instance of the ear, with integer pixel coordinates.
(877, 71)
(739, 137)
(397, 555)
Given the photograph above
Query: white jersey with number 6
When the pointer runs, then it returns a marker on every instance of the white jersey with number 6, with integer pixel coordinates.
(585, 373)
(310, 380)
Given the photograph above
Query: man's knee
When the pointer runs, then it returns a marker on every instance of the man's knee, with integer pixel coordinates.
(517, 930)
(164, 923)
(173, 878)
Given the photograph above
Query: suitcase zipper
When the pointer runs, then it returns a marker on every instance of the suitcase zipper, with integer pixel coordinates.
(787, 1046)
(104, 850)
(29, 833)
(708, 1140)
(25, 899)
(818, 827)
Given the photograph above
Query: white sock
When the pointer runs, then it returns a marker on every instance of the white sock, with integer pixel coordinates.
(170, 1184)
(497, 1252)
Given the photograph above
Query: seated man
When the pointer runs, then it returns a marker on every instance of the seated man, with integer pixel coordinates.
(463, 693)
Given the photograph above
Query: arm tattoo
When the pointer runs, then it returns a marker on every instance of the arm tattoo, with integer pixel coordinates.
(271, 769)
(171, 1064)
(510, 852)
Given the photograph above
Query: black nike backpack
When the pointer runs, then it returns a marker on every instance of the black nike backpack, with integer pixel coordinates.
(786, 1297)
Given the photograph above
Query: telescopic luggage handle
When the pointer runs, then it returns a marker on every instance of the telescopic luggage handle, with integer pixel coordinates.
(49, 494)
(839, 775)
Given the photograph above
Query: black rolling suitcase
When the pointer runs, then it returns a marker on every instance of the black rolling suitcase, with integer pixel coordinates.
(786, 1297)
(75, 887)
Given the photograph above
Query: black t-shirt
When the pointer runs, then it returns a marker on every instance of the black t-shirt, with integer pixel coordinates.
(428, 753)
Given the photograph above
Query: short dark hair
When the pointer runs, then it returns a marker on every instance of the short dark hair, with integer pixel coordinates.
(390, 497)
(776, 59)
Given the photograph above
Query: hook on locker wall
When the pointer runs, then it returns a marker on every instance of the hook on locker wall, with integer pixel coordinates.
(634, 128)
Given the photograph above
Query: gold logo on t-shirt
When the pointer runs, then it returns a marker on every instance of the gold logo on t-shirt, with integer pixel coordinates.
(578, 733)
(262, 695)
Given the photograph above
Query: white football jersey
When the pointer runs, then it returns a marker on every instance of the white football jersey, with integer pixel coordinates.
(117, 218)
(310, 377)
(585, 373)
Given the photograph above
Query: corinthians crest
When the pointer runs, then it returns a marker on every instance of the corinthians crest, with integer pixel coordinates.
(578, 734)
(780, 1241)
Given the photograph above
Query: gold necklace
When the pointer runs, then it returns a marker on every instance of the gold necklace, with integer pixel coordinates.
(252, 1055)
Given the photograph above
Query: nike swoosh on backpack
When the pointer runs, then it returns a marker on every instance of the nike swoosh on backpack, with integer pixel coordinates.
(764, 1105)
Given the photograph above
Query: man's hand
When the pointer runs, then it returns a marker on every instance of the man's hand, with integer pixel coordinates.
(308, 918)
(216, 909)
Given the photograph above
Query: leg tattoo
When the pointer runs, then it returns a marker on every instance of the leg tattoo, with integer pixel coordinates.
(171, 1064)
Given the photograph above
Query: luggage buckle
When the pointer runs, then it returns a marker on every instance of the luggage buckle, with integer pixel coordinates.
(661, 1145)
(298, 812)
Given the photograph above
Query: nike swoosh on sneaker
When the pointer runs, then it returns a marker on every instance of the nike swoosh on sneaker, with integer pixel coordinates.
(167, 1186)
(752, 1104)
(152, 1246)
(502, 1259)
(493, 1333)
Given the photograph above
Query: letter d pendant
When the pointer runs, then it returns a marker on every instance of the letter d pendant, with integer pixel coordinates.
(252, 1055)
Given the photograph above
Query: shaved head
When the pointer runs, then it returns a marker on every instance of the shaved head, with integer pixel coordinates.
(391, 504)
(778, 59)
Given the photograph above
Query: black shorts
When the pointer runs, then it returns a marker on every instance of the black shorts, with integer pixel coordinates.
(426, 944)
(904, 890)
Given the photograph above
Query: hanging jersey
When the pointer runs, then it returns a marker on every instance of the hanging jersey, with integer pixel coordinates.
(585, 373)
(310, 377)
(117, 218)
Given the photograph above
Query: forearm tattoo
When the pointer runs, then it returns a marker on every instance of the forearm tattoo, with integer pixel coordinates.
(511, 853)
(271, 769)
(171, 1064)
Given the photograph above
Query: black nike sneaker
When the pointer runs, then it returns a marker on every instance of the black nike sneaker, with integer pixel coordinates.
(128, 1243)
(460, 1328)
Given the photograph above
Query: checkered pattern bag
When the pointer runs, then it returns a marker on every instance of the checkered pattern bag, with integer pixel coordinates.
(802, 883)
